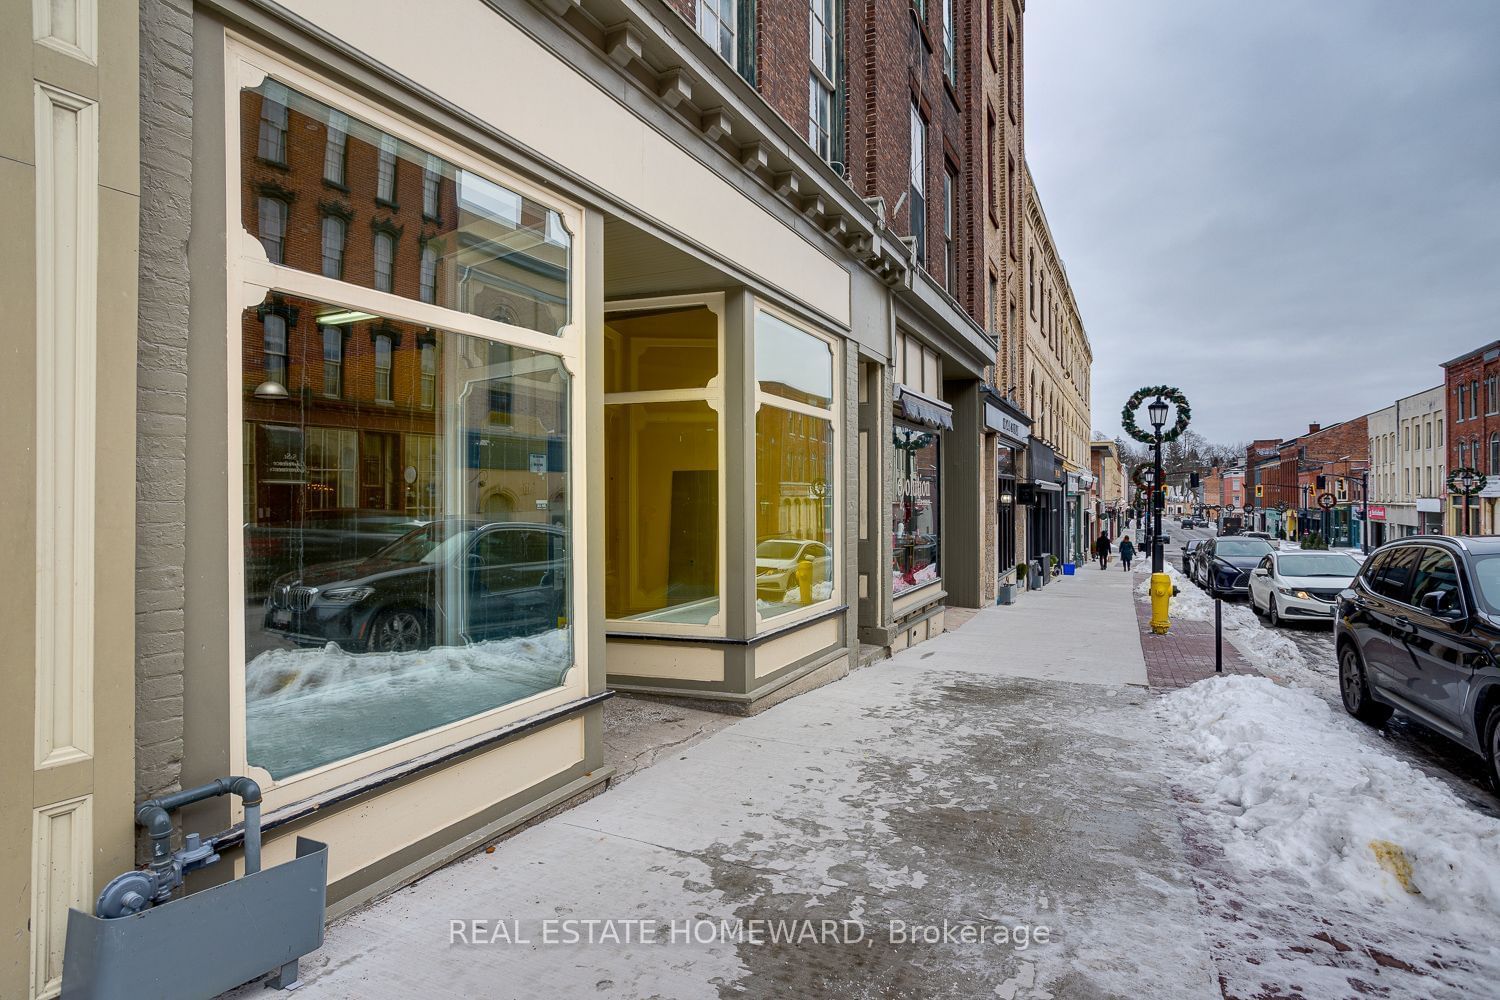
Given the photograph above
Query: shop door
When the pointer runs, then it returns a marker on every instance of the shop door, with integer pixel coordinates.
(378, 458)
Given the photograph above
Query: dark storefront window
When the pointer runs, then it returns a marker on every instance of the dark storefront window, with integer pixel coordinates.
(1005, 495)
(915, 503)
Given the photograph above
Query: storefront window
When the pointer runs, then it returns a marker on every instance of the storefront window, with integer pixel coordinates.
(503, 256)
(406, 561)
(795, 468)
(916, 498)
(662, 471)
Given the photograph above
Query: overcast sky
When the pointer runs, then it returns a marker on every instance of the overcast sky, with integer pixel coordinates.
(1289, 209)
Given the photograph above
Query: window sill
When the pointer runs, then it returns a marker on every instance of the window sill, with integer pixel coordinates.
(274, 164)
(335, 185)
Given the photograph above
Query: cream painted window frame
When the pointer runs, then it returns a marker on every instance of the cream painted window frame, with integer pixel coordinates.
(713, 395)
(834, 414)
(251, 277)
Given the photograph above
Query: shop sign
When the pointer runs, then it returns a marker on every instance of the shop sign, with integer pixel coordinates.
(914, 488)
(282, 455)
(538, 464)
(1376, 511)
(996, 419)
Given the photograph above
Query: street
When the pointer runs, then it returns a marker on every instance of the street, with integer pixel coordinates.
(1303, 654)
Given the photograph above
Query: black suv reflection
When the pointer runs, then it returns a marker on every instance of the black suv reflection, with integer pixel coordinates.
(1418, 630)
(447, 582)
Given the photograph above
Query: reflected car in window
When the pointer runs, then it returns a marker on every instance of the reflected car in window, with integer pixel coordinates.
(322, 536)
(776, 562)
(1418, 630)
(1300, 586)
(452, 581)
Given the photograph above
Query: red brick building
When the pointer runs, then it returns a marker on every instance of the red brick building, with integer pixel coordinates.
(1472, 384)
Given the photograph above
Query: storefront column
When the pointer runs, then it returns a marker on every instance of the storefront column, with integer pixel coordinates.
(962, 556)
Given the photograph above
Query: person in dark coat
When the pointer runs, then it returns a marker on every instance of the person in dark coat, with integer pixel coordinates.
(1102, 549)
(1127, 552)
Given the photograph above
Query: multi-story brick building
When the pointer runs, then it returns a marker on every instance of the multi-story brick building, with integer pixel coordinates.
(1289, 480)
(1471, 383)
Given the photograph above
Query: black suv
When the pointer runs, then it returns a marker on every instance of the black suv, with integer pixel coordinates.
(1224, 564)
(452, 580)
(1417, 630)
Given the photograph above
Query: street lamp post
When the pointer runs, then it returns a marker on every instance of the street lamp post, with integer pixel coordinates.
(1364, 504)
(1158, 416)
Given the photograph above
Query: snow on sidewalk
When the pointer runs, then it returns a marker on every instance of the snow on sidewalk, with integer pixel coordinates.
(1287, 807)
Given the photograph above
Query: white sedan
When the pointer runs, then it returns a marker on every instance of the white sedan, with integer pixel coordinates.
(1300, 586)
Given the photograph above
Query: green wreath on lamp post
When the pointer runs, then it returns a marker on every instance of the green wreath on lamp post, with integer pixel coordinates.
(1139, 475)
(1476, 480)
(1166, 392)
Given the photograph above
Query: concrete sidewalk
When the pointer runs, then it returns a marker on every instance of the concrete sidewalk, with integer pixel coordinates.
(960, 781)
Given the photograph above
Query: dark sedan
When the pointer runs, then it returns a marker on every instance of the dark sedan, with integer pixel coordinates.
(1190, 555)
(1418, 630)
(1224, 564)
(448, 582)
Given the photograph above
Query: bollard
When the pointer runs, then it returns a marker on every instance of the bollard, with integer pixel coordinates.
(1161, 598)
(1218, 635)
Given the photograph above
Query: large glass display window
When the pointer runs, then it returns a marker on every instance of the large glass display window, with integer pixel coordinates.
(411, 437)
(797, 460)
(916, 505)
(663, 466)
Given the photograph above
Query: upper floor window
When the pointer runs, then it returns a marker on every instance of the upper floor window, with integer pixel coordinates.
(1463, 401)
(385, 171)
(385, 259)
(919, 182)
(718, 21)
(1031, 280)
(333, 246)
(429, 374)
(950, 220)
(383, 368)
(336, 148)
(272, 145)
(819, 115)
(432, 178)
(333, 360)
(427, 286)
(1474, 398)
(950, 40)
(274, 342)
(273, 228)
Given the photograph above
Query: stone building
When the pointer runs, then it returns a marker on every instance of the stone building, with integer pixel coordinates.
(1054, 377)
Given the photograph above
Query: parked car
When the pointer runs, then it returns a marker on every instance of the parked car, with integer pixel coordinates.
(776, 562)
(1300, 586)
(511, 575)
(1224, 564)
(1190, 555)
(1264, 536)
(1418, 630)
(321, 536)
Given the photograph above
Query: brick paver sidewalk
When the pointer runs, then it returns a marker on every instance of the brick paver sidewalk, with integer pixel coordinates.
(1185, 654)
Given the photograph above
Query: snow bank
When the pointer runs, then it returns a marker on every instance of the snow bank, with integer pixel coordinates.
(308, 707)
(1299, 790)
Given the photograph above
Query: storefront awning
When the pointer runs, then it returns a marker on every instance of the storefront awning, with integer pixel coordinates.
(923, 409)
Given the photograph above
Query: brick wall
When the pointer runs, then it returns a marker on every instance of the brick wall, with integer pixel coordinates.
(161, 422)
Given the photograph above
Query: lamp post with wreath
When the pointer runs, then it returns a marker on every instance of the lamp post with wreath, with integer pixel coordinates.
(1466, 482)
(1163, 399)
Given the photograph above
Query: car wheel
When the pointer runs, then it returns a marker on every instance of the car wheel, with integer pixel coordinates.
(1254, 605)
(1273, 614)
(398, 630)
(1354, 689)
(1492, 746)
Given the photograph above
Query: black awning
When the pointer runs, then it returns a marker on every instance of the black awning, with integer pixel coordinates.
(925, 410)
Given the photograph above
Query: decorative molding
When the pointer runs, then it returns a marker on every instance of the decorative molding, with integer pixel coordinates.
(69, 26)
(62, 876)
(67, 252)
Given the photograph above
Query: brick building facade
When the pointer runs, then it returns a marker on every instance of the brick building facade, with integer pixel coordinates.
(1471, 385)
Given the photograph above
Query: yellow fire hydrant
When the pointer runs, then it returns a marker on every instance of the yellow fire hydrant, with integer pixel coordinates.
(1161, 597)
(804, 580)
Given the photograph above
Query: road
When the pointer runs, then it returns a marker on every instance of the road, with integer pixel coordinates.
(1311, 663)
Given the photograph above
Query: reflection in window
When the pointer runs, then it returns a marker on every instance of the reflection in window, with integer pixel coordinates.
(274, 326)
(794, 467)
(383, 368)
(334, 148)
(717, 20)
(915, 502)
(429, 374)
(272, 146)
(508, 256)
(333, 361)
(333, 246)
(392, 587)
(427, 289)
(272, 228)
(662, 465)
(385, 261)
(385, 171)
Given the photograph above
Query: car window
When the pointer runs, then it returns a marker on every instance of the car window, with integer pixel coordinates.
(1436, 574)
(1265, 563)
(1392, 579)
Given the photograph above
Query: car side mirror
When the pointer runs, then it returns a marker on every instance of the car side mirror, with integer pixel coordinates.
(1438, 604)
(1260, 571)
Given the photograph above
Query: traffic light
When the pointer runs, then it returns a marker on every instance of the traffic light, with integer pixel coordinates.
(1260, 490)
(1322, 482)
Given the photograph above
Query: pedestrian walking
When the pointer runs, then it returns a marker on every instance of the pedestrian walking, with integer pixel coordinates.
(1102, 549)
(1127, 552)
